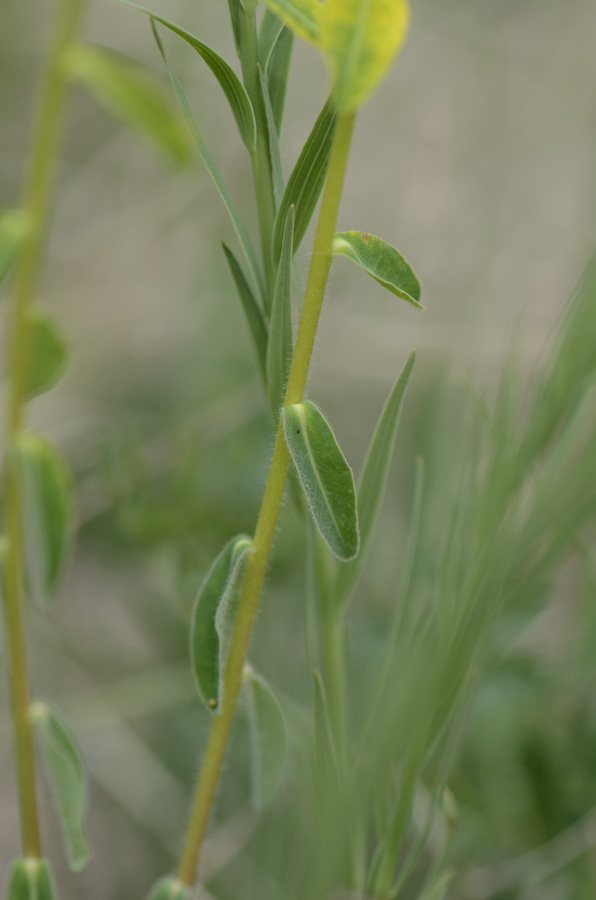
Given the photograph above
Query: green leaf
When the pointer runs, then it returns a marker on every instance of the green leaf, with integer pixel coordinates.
(213, 170)
(381, 261)
(170, 889)
(306, 181)
(49, 507)
(270, 30)
(65, 766)
(325, 476)
(303, 17)
(268, 739)
(276, 72)
(47, 354)
(372, 483)
(438, 887)
(281, 340)
(212, 620)
(14, 228)
(129, 91)
(230, 83)
(273, 140)
(252, 311)
(30, 879)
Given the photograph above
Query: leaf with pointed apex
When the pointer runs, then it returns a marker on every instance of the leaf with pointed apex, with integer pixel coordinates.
(325, 476)
(274, 146)
(306, 181)
(14, 228)
(47, 353)
(281, 341)
(49, 508)
(276, 73)
(268, 739)
(381, 261)
(230, 83)
(303, 17)
(170, 889)
(132, 93)
(252, 311)
(30, 879)
(270, 30)
(373, 480)
(67, 775)
(212, 621)
(213, 170)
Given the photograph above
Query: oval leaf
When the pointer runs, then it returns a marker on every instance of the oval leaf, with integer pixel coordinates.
(325, 476)
(14, 228)
(252, 310)
(170, 889)
(281, 341)
(381, 261)
(268, 739)
(373, 480)
(132, 93)
(212, 620)
(303, 17)
(49, 507)
(30, 879)
(65, 766)
(47, 355)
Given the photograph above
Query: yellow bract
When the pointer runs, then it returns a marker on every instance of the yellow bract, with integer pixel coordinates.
(359, 38)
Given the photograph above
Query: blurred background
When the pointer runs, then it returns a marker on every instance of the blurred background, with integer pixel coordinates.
(476, 159)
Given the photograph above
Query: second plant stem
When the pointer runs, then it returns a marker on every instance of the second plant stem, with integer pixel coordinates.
(267, 522)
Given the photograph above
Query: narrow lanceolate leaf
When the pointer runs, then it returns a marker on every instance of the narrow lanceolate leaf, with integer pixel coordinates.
(67, 775)
(274, 145)
(373, 480)
(325, 476)
(381, 261)
(14, 227)
(230, 83)
(252, 310)
(30, 879)
(306, 181)
(132, 93)
(268, 739)
(360, 39)
(49, 506)
(276, 72)
(281, 341)
(212, 621)
(47, 352)
(270, 30)
(303, 17)
(170, 889)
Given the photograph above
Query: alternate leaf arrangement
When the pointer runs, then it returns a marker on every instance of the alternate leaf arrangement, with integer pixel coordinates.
(365, 782)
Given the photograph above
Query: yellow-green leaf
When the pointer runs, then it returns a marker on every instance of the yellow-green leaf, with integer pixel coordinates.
(170, 889)
(47, 353)
(303, 17)
(14, 228)
(30, 879)
(381, 261)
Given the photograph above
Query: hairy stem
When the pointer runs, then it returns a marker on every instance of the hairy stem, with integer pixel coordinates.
(259, 557)
(37, 200)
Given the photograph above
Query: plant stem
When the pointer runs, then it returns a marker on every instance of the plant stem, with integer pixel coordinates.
(259, 557)
(37, 199)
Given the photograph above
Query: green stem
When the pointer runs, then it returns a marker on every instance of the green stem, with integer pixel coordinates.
(37, 199)
(258, 559)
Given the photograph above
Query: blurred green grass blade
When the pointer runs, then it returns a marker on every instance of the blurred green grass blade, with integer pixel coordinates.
(14, 228)
(47, 354)
(230, 83)
(306, 181)
(252, 311)
(66, 770)
(212, 621)
(30, 879)
(49, 507)
(281, 341)
(373, 481)
(437, 889)
(213, 170)
(268, 739)
(381, 261)
(302, 16)
(277, 72)
(274, 147)
(131, 92)
(170, 889)
(325, 476)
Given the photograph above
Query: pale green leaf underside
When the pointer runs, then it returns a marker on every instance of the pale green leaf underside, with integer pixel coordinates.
(14, 227)
(303, 17)
(268, 739)
(170, 889)
(132, 93)
(381, 261)
(65, 766)
(212, 619)
(281, 341)
(30, 879)
(47, 352)
(325, 476)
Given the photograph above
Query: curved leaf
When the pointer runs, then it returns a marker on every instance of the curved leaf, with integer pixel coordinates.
(47, 354)
(381, 261)
(281, 340)
(303, 17)
(306, 181)
(276, 73)
(30, 879)
(132, 93)
(212, 621)
(274, 146)
(14, 228)
(230, 83)
(325, 476)
(170, 889)
(252, 310)
(67, 775)
(270, 30)
(268, 739)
